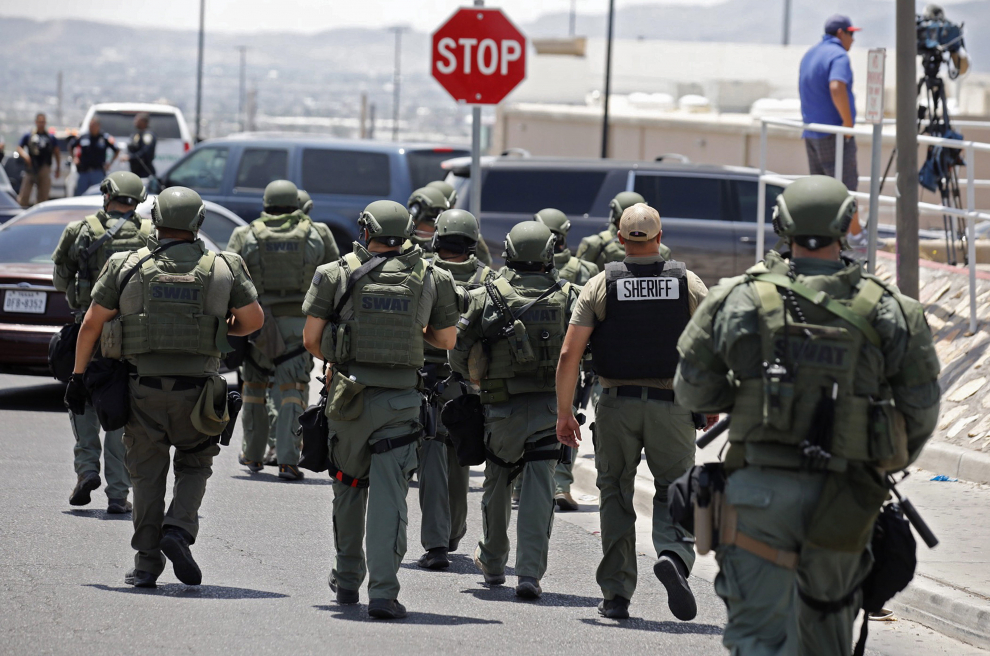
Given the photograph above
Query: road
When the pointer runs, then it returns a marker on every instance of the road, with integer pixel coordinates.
(265, 549)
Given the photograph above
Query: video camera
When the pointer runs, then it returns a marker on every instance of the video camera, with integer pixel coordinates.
(938, 37)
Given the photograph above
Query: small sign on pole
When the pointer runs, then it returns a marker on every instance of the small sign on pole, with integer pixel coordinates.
(876, 60)
(874, 85)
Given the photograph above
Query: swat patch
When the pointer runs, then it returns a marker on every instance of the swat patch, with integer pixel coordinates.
(282, 246)
(648, 289)
(815, 353)
(395, 304)
(173, 293)
(540, 315)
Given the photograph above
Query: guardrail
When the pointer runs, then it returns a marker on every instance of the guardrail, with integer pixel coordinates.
(971, 214)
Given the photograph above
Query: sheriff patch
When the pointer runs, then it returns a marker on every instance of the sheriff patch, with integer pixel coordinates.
(648, 289)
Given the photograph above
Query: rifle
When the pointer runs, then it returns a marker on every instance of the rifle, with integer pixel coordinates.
(912, 513)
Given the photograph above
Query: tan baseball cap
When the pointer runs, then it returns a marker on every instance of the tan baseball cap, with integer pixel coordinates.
(639, 222)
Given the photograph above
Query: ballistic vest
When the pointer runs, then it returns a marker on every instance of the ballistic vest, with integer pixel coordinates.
(386, 330)
(283, 259)
(468, 275)
(646, 310)
(173, 324)
(523, 341)
(571, 269)
(835, 353)
(131, 236)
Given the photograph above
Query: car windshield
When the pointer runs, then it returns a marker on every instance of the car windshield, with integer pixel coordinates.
(121, 124)
(424, 165)
(33, 238)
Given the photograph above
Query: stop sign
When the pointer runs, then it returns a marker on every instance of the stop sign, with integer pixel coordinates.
(478, 56)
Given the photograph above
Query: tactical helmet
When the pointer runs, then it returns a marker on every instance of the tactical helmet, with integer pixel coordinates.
(305, 202)
(554, 219)
(446, 189)
(388, 221)
(280, 193)
(426, 204)
(179, 208)
(123, 184)
(458, 223)
(816, 206)
(529, 242)
(622, 201)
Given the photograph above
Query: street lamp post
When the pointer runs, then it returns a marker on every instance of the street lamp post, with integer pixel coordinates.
(608, 77)
(396, 81)
(199, 73)
(242, 108)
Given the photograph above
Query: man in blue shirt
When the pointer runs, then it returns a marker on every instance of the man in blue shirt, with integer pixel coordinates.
(91, 156)
(825, 84)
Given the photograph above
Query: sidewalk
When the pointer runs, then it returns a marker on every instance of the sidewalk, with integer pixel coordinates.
(951, 589)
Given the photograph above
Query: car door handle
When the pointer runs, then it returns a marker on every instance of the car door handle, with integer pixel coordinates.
(748, 240)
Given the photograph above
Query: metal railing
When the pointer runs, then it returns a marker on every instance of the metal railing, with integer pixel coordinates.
(971, 214)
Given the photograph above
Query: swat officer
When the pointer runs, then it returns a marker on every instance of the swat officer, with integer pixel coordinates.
(141, 147)
(166, 305)
(831, 377)
(425, 205)
(91, 156)
(370, 314)
(83, 249)
(443, 483)
(605, 246)
(633, 313)
(579, 272)
(508, 343)
(282, 250)
(450, 194)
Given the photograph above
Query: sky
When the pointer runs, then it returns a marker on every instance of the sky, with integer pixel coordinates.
(292, 15)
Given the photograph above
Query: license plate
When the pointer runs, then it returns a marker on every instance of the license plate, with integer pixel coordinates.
(25, 302)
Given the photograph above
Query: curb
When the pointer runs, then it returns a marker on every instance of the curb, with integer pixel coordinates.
(955, 461)
(948, 610)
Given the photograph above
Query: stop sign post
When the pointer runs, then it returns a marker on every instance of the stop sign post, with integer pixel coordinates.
(479, 57)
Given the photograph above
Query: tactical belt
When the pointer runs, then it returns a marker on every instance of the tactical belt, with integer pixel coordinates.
(181, 384)
(729, 534)
(386, 445)
(341, 477)
(531, 454)
(636, 392)
(285, 357)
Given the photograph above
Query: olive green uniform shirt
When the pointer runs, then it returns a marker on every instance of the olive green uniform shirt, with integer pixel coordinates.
(590, 311)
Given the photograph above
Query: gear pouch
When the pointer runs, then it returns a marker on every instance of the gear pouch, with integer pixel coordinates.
(887, 436)
(346, 398)
(342, 343)
(519, 344)
(778, 397)
(847, 509)
(112, 339)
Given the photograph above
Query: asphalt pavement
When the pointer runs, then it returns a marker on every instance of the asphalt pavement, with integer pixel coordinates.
(265, 549)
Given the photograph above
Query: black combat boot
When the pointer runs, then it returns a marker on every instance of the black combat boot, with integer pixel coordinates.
(616, 608)
(87, 482)
(140, 579)
(175, 545)
(386, 609)
(435, 558)
(673, 574)
(345, 597)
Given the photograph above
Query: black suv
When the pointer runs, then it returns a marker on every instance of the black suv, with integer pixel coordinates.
(708, 212)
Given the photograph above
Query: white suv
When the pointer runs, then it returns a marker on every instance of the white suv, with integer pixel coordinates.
(166, 121)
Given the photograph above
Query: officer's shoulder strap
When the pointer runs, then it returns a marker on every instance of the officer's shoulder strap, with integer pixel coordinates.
(824, 301)
(615, 270)
(147, 227)
(205, 264)
(95, 226)
(356, 273)
(867, 297)
(260, 229)
(674, 269)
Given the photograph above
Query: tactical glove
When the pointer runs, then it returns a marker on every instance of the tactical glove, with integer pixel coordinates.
(76, 395)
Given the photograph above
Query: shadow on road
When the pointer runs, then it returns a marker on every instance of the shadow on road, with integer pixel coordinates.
(507, 593)
(360, 614)
(96, 513)
(649, 625)
(191, 591)
(37, 398)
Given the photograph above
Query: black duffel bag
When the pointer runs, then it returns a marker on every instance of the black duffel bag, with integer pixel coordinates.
(315, 432)
(894, 560)
(464, 419)
(62, 352)
(106, 381)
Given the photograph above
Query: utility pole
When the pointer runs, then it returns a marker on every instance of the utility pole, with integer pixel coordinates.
(396, 81)
(608, 77)
(573, 30)
(907, 150)
(786, 37)
(58, 114)
(199, 73)
(363, 128)
(242, 97)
